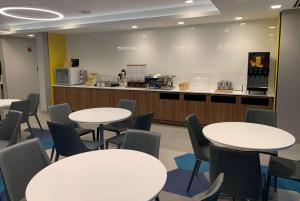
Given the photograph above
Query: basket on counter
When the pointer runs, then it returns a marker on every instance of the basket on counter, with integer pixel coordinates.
(183, 86)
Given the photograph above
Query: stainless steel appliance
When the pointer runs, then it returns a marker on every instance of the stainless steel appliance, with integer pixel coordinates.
(82, 76)
(225, 85)
(159, 81)
(67, 76)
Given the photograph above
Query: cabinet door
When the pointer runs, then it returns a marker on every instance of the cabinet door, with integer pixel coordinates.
(170, 107)
(196, 103)
(100, 98)
(223, 108)
(265, 103)
(77, 98)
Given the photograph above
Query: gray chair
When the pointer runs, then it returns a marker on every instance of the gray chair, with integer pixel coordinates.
(143, 141)
(67, 142)
(10, 129)
(242, 172)
(259, 116)
(24, 107)
(282, 167)
(265, 117)
(60, 113)
(199, 143)
(34, 99)
(121, 126)
(213, 192)
(19, 163)
(141, 122)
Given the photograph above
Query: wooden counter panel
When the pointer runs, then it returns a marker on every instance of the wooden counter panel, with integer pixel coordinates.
(78, 98)
(169, 107)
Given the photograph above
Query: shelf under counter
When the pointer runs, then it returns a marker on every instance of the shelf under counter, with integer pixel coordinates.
(170, 106)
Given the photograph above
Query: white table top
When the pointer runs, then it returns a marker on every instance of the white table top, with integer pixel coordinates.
(248, 136)
(7, 102)
(100, 115)
(110, 175)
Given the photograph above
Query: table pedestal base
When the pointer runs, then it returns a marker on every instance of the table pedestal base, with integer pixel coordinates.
(100, 136)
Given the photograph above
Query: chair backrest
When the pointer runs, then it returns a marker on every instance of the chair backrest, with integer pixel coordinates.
(265, 117)
(34, 103)
(60, 113)
(196, 135)
(143, 141)
(128, 105)
(213, 192)
(241, 169)
(19, 163)
(11, 127)
(66, 140)
(143, 122)
(21, 106)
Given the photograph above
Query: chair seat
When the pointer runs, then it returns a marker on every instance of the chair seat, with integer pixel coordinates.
(203, 153)
(3, 144)
(117, 140)
(285, 168)
(92, 145)
(83, 131)
(116, 127)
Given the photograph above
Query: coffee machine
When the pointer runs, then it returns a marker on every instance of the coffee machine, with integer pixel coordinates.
(159, 81)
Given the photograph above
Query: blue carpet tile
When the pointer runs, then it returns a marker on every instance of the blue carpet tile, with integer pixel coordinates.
(177, 182)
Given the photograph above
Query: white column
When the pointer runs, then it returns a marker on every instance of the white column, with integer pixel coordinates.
(43, 66)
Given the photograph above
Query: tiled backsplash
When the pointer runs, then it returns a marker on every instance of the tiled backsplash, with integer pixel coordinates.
(220, 50)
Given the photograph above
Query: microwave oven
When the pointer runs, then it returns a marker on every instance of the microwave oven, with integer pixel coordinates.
(67, 76)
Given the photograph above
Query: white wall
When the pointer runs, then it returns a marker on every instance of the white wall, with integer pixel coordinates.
(219, 49)
(20, 67)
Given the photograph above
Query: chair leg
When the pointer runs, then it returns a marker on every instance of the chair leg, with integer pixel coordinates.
(268, 184)
(98, 134)
(56, 157)
(106, 144)
(198, 168)
(37, 119)
(275, 185)
(157, 199)
(94, 136)
(52, 153)
(193, 175)
(30, 130)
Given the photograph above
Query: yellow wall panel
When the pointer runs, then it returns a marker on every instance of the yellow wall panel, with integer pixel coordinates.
(57, 55)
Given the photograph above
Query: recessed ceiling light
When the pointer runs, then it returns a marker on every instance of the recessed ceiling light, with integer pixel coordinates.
(189, 1)
(134, 26)
(238, 18)
(30, 35)
(243, 24)
(4, 10)
(272, 27)
(276, 6)
(181, 23)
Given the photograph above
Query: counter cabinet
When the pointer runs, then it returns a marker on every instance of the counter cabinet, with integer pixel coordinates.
(169, 107)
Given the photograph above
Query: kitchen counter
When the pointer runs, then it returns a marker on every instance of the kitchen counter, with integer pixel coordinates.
(175, 90)
(170, 106)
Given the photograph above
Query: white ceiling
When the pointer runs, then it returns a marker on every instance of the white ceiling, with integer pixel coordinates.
(107, 15)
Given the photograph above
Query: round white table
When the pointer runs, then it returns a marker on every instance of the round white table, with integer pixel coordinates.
(7, 102)
(100, 116)
(248, 136)
(110, 175)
